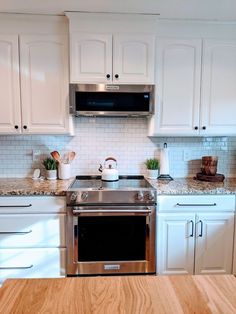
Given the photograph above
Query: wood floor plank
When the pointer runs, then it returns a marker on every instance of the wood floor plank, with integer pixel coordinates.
(120, 295)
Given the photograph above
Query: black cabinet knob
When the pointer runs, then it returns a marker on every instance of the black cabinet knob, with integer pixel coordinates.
(116, 76)
(108, 76)
(25, 127)
(16, 127)
(196, 128)
(204, 128)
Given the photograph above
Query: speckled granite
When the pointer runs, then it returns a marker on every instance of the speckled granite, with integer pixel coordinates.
(189, 186)
(29, 187)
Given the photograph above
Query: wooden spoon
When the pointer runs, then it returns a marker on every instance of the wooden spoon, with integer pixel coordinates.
(56, 156)
(71, 156)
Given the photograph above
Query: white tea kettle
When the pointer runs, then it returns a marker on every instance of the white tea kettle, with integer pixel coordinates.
(109, 173)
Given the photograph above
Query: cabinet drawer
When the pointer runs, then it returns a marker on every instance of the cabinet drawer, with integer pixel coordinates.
(32, 263)
(39, 230)
(32, 204)
(195, 203)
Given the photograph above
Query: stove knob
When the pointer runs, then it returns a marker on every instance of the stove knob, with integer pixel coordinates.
(73, 197)
(84, 196)
(150, 196)
(139, 196)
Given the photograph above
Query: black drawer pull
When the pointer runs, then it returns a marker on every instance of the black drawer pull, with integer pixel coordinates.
(191, 235)
(179, 204)
(15, 206)
(16, 232)
(200, 235)
(20, 267)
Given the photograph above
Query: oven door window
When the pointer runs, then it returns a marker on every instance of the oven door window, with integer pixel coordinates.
(117, 238)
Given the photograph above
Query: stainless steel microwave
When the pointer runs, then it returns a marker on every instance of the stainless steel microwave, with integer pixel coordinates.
(111, 100)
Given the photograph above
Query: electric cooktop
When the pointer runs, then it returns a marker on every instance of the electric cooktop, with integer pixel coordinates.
(124, 183)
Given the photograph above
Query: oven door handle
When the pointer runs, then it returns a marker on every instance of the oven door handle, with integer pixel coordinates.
(146, 211)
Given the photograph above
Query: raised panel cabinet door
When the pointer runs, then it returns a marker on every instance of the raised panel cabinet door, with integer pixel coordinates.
(90, 58)
(234, 257)
(44, 84)
(133, 58)
(218, 103)
(175, 244)
(214, 243)
(177, 98)
(10, 112)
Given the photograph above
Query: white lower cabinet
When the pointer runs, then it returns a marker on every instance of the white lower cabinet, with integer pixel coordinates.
(32, 263)
(195, 242)
(234, 259)
(214, 243)
(32, 230)
(32, 237)
(175, 246)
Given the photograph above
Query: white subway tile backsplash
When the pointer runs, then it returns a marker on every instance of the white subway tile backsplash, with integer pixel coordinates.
(124, 138)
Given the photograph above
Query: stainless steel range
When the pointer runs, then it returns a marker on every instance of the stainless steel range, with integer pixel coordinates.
(110, 226)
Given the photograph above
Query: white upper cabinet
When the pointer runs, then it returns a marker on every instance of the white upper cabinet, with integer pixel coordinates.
(218, 106)
(44, 83)
(178, 72)
(107, 58)
(194, 96)
(91, 58)
(10, 111)
(34, 76)
(133, 58)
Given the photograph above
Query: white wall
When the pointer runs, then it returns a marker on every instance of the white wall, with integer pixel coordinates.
(123, 138)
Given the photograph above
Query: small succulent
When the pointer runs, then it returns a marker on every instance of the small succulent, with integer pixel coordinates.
(152, 164)
(50, 163)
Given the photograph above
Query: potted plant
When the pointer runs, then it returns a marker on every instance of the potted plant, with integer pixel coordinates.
(152, 165)
(50, 165)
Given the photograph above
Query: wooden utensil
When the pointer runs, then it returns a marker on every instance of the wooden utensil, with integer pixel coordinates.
(56, 156)
(71, 156)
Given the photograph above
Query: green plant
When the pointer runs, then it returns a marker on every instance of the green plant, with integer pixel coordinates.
(152, 164)
(50, 163)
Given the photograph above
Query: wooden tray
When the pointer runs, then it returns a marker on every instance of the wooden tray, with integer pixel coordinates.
(204, 177)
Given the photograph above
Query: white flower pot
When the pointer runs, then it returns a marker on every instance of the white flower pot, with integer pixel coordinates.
(152, 174)
(51, 174)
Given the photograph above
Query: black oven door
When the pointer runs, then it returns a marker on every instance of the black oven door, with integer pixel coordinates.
(112, 240)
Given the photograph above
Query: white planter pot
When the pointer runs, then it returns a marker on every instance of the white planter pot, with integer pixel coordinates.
(51, 174)
(152, 174)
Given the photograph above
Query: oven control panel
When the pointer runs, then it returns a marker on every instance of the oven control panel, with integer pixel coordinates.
(111, 197)
(145, 196)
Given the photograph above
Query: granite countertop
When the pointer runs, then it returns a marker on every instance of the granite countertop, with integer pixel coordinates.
(190, 186)
(184, 186)
(30, 187)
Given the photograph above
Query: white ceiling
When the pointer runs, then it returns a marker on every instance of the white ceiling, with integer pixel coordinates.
(223, 10)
